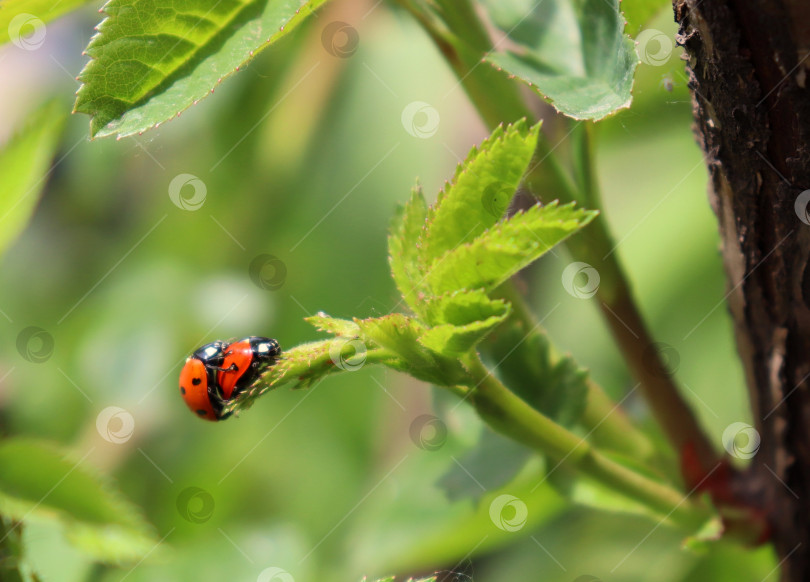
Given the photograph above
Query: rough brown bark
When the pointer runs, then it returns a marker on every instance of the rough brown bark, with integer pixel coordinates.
(748, 65)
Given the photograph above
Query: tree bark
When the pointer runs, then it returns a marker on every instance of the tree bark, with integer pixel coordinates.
(748, 67)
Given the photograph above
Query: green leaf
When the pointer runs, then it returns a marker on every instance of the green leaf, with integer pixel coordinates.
(23, 21)
(505, 249)
(38, 482)
(152, 59)
(400, 334)
(480, 191)
(709, 533)
(470, 317)
(403, 248)
(553, 385)
(574, 53)
(24, 167)
(462, 307)
(338, 327)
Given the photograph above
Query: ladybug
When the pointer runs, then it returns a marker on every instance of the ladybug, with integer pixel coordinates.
(243, 362)
(220, 371)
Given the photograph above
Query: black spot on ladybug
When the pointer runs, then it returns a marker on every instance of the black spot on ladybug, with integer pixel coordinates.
(196, 381)
(201, 412)
(182, 390)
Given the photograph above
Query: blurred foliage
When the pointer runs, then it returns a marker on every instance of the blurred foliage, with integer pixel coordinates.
(304, 156)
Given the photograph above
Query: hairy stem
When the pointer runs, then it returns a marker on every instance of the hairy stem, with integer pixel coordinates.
(607, 424)
(595, 246)
(508, 414)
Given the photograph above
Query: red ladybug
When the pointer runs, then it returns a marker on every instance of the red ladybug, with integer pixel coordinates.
(219, 371)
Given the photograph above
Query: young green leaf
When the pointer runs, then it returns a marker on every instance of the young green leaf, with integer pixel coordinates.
(469, 323)
(338, 327)
(23, 21)
(575, 54)
(403, 248)
(152, 59)
(480, 191)
(400, 334)
(24, 167)
(462, 307)
(555, 386)
(506, 248)
(38, 482)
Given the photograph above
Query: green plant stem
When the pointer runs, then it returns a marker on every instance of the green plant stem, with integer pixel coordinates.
(508, 414)
(595, 246)
(494, 95)
(500, 102)
(304, 362)
(607, 425)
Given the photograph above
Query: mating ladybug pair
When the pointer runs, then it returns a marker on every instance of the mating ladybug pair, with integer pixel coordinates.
(220, 371)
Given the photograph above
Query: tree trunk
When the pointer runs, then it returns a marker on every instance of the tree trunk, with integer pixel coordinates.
(748, 66)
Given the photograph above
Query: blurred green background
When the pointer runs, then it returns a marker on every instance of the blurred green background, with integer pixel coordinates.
(304, 156)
